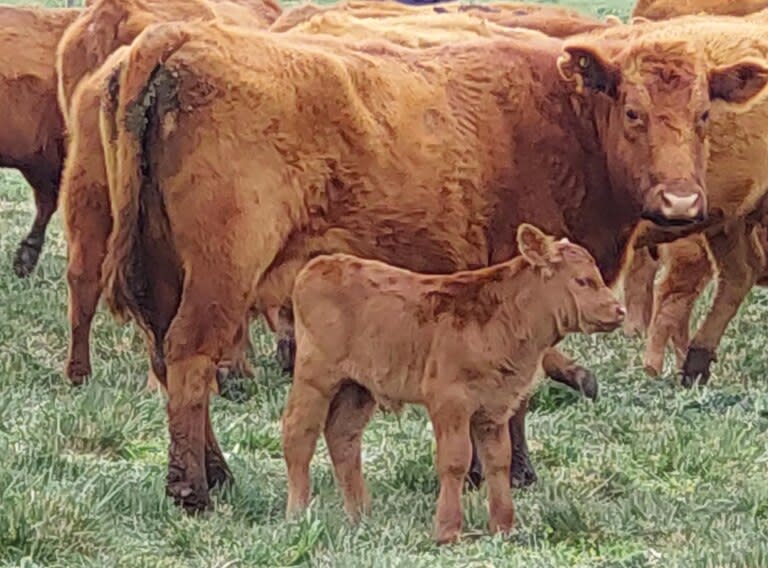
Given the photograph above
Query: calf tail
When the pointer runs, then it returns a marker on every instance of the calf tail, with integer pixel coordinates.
(137, 94)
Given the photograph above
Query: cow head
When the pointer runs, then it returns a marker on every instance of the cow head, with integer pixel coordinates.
(575, 290)
(651, 101)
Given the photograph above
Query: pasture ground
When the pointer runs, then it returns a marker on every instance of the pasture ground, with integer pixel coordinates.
(650, 475)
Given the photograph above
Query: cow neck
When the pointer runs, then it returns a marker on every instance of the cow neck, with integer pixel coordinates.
(604, 220)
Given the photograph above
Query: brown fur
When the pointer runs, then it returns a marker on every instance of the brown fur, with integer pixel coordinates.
(470, 360)
(32, 132)
(431, 160)
(665, 9)
(551, 20)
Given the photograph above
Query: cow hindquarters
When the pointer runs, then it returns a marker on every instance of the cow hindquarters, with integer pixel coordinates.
(740, 260)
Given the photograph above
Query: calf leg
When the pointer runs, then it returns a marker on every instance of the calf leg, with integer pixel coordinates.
(493, 443)
(688, 271)
(563, 369)
(739, 259)
(351, 410)
(305, 414)
(638, 292)
(46, 188)
(451, 425)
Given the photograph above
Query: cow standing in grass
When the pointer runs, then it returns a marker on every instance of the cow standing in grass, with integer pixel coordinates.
(466, 346)
(31, 127)
(237, 156)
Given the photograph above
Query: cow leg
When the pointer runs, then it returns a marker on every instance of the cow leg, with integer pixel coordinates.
(638, 292)
(46, 190)
(216, 469)
(563, 369)
(87, 236)
(304, 416)
(739, 261)
(522, 472)
(188, 423)
(351, 410)
(687, 272)
(454, 448)
(286, 342)
(493, 443)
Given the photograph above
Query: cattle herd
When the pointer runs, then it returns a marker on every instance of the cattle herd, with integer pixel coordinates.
(421, 201)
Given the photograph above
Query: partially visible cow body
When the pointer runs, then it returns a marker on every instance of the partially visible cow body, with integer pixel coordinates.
(102, 29)
(426, 159)
(665, 9)
(554, 21)
(32, 132)
(466, 346)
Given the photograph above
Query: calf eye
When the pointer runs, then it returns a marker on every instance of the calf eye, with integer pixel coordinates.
(632, 115)
(583, 282)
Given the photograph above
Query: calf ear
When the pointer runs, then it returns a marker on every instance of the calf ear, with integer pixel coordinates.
(534, 245)
(740, 82)
(587, 67)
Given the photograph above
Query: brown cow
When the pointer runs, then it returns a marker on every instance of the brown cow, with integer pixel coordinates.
(737, 184)
(32, 132)
(665, 9)
(101, 29)
(466, 346)
(426, 159)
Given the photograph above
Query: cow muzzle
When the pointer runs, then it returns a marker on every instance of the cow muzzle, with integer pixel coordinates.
(676, 203)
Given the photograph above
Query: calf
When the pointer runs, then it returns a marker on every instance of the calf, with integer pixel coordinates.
(32, 131)
(464, 345)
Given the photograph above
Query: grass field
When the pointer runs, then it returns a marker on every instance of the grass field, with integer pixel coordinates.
(650, 475)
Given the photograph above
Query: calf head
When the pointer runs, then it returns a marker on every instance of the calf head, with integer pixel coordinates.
(571, 283)
(651, 100)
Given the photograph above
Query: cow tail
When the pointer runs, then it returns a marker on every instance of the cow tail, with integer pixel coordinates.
(137, 95)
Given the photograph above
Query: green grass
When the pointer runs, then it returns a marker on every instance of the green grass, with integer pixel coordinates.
(650, 475)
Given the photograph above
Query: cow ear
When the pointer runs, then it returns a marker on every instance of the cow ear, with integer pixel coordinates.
(588, 68)
(535, 246)
(738, 83)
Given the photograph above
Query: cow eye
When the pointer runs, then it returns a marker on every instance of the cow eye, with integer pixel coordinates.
(583, 282)
(632, 115)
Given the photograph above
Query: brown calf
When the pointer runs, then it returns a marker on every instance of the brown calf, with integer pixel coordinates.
(427, 159)
(31, 127)
(465, 345)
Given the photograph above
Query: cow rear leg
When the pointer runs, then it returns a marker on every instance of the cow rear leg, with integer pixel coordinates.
(638, 292)
(45, 190)
(351, 410)
(740, 260)
(565, 370)
(188, 423)
(493, 443)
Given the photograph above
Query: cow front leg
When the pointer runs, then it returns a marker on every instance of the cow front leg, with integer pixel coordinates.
(739, 260)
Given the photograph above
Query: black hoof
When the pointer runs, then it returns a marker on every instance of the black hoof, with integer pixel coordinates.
(77, 372)
(217, 471)
(286, 354)
(696, 366)
(587, 383)
(25, 260)
(522, 473)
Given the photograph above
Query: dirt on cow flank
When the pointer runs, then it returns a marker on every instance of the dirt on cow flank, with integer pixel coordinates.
(650, 475)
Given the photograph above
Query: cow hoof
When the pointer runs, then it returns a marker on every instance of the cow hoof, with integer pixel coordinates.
(522, 473)
(286, 354)
(78, 372)
(696, 366)
(185, 496)
(217, 471)
(587, 382)
(25, 260)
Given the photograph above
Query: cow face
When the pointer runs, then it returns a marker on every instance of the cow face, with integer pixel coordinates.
(652, 103)
(575, 290)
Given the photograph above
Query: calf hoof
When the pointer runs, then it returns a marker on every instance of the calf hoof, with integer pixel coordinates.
(587, 382)
(521, 474)
(696, 366)
(77, 372)
(286, 354)
(25, 260)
